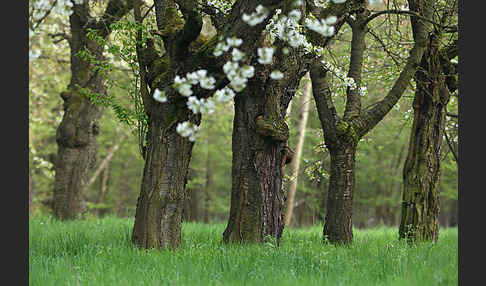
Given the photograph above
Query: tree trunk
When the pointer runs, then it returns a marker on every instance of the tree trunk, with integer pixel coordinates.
(209, 182)
(257, 195)
(159, 207)
(77, 142)
(338, 223)
(106, 161)
(421, 173)
(31, 189)
(295, 165)
(105, 175)
(260, 153)
(78, 131)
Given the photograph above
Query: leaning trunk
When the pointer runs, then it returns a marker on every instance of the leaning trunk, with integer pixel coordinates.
(421, 173)
(295, 165)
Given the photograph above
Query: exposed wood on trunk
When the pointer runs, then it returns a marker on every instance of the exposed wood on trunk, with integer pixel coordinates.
(295, 164)
(104, 164)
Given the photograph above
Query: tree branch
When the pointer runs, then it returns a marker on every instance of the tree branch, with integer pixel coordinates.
(451, 148)
(372, 116)
(358, 46)
(115, 10)
(106, 160)
(325, 107)
(405, 12)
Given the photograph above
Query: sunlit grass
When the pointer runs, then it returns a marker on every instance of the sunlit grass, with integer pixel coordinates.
(99, 252)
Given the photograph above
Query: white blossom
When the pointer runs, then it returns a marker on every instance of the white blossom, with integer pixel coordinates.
(265, 55)
(256, 17)
(349, 81)
(230, 68)
(193, 104)
(338, 1)
(233, 42)
(237, 54)
(238, 82)
(375, 3)
(276, 74)
(207, 82)
(224, 95)
(362, 90)
(320, 27)
(159, 96)
(331, 20)
(203, 105)
(185, 89)
(220, 48)
(192, 78)
(295, 15)
(247, 71)
(187, 129)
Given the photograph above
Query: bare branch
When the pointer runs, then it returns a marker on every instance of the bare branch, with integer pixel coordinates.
(405, 12)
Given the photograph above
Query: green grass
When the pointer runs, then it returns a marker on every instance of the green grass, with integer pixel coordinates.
(99, 252)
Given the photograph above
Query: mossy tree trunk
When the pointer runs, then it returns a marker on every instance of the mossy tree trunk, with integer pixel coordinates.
(257, 196)
(260, 148)
(78, 131)
(159, 207)
(342, 134)
(421, 172)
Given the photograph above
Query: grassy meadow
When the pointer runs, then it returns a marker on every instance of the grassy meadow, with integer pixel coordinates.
(99, 252)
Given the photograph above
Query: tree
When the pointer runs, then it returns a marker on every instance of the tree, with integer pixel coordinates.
(435, 80)
(158, 216)
(260, 134)
(78, 131)
(342, 134)
(295, 165)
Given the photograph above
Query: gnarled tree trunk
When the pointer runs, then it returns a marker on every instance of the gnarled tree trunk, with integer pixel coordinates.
(260, 153)
(78, 131)
(421, 173)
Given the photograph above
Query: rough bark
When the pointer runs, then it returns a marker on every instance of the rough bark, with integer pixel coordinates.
(159, 206)
(295, 164)
(260, 149)
(421, 172)
(78, 131)
(158, 215)
(257, 195)
(343, 134)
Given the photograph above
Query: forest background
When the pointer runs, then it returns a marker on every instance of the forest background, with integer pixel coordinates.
(115, 178)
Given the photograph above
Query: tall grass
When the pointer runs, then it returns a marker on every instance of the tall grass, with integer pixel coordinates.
(99, 252)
